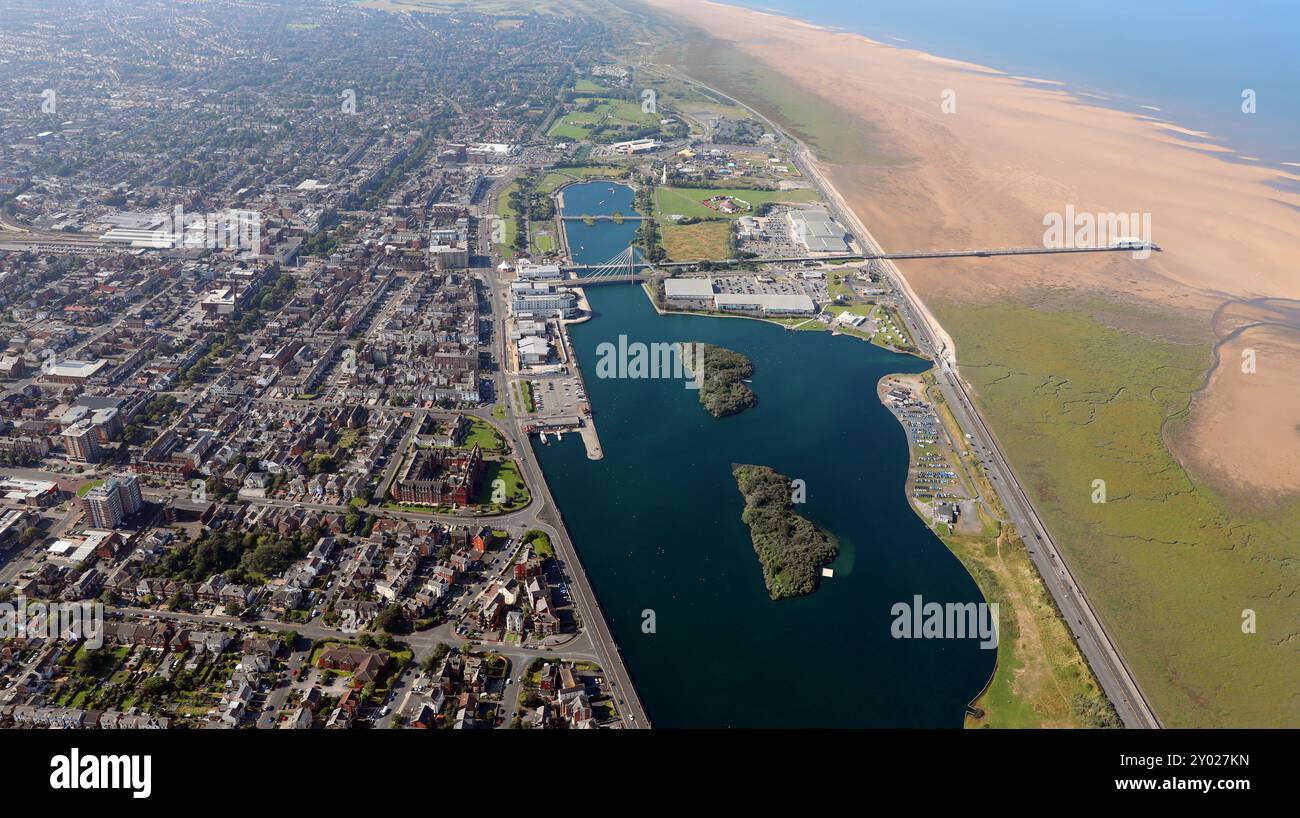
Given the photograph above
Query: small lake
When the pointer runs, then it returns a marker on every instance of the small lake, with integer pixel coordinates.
(658, 525)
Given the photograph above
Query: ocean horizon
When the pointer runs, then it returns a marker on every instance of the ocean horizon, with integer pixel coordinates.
(1188, 63)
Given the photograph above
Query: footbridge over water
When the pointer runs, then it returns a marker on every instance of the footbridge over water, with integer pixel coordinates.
(628, 267)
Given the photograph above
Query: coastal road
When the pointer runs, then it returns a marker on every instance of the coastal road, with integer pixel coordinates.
(1094, 642)
(548, 519)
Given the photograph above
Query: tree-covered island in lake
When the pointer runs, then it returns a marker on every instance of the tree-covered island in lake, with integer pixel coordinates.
(791, 549)
(723, 390)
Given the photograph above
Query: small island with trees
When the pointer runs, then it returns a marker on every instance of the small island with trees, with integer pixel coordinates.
(723, 391)
(791, 549)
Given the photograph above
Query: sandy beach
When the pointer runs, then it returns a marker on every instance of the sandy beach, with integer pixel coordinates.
(1007, 151)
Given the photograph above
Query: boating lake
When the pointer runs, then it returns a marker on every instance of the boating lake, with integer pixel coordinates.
(658, 525)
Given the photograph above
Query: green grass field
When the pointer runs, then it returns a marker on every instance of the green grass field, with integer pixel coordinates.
(575, 126)
(524, 391)
(507, 215)
(701, 240)
(516, 491)
(486, 436)
(541, 238)
(835, 287)
(1168, 564)
(556, 179)
(578, 125)
(688, 201)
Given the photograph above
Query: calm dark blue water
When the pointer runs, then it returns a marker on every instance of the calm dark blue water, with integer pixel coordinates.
(598, 242)
(1190, 58)
(658, 525)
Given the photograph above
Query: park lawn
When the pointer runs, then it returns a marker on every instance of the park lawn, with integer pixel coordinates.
(506, 471)
(631, 113)
(541, 544)
(623, 111)
(572, 126)
(588, 87)
(802, 323)
(507, 215)
(868, 309)
(689, 201)
(577, 125)
(86, 487)
(836, 287)
(556, 179)
(541, 239)
(811, 324)
(696, 241)
(486, 436)
(553, 181)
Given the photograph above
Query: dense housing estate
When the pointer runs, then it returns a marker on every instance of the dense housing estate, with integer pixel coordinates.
(246, 346)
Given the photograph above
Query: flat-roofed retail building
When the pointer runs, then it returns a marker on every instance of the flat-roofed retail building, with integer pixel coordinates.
(766, 303)
(817, 231)
(694, 292)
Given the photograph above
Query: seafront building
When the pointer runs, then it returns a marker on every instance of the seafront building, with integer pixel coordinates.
(539, 272)
(541, 299)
